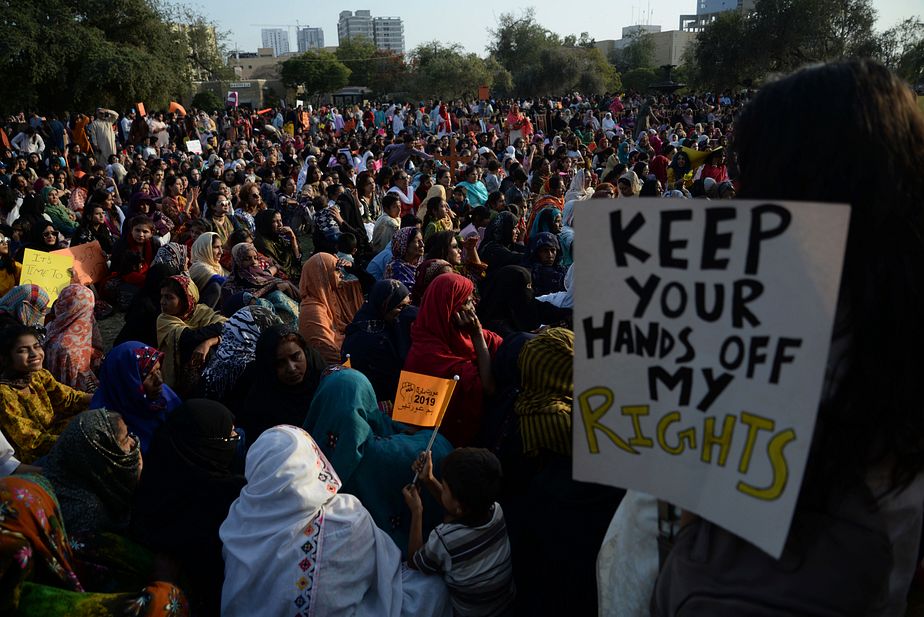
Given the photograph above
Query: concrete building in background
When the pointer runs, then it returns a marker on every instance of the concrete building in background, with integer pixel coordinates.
(352, 25)
(388, 33)
(668, 46)
(260, 65)
(630, 31)
(309, 38)
(384, 32)
(276, 39)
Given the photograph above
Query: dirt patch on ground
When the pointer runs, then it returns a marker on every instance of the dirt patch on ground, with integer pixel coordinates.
(109, 328)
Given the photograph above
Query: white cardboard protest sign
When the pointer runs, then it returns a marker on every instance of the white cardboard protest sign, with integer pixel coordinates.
(194, 146)
(702, 331)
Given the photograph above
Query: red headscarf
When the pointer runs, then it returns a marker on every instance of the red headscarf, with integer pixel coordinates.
(440, 349)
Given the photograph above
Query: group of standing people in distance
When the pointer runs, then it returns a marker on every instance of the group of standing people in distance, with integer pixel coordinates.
(217, 457)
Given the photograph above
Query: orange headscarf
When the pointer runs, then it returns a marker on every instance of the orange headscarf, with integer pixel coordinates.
(328, 305)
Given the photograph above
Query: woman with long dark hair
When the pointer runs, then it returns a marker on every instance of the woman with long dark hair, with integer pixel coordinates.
(865, 473)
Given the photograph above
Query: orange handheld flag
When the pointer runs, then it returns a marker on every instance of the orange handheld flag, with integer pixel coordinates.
(422, 400)
(174, 106)
(141, 111)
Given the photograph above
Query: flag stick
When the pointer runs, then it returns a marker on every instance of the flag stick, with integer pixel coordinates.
(436, 430)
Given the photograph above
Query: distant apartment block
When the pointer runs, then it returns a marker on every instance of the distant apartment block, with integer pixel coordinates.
(384, 32)
(276, 39)
(309, 38)
(389, 33)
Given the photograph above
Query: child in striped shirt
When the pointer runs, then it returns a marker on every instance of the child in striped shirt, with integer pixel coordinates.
(470, 550)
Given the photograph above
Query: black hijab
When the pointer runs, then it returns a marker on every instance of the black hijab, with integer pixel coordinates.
(271, 402)
(378, 347)
(187, 486)
(498, 248)
(507, 303)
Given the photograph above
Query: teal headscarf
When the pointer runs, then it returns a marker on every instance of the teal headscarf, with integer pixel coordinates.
(370, 452)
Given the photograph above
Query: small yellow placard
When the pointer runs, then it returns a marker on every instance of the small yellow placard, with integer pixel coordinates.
(50, 271)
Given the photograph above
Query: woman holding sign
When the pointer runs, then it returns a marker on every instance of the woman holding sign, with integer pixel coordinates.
(448, 340)
(854, 539)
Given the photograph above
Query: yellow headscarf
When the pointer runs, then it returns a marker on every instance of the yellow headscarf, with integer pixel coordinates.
(204, 265)
(437, 190)
(170, 328)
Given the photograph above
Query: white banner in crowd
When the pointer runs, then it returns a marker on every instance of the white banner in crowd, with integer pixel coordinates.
(702, 331)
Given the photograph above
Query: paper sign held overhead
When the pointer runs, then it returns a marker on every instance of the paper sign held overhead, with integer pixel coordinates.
(50, 271)
(194, 146)
(89, 262)
(701, 338)
(422, 400)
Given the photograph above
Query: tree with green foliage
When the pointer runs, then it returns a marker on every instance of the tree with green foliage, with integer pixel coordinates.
(357, 53)
(722, 58)
(206, 48)
(317, 72)
(380, 70)
(82, 54)
(902, 49)
(637, 54)
(391, 73)
(542, 63)
(446, 72)
(208, 101)
(639, 80)
(780, 36)
(501, 79)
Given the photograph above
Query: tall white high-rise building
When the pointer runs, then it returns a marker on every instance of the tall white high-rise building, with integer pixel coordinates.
(309, 38)
(384, 32)
(389, 33)
(276, 39)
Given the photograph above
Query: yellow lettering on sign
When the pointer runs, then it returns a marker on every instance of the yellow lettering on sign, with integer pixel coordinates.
(723, 440)
(635, 411)
(755, 424)
(591, 416)
(687, 434)
(780, 469)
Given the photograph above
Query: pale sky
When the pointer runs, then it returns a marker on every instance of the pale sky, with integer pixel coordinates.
(468, 21)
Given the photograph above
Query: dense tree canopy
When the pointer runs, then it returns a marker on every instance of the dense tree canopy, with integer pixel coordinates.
(445, 71)
(85, 53)
(317, 72)
(541, 63)
(902, 48)
(783, 35)
(638, 54)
